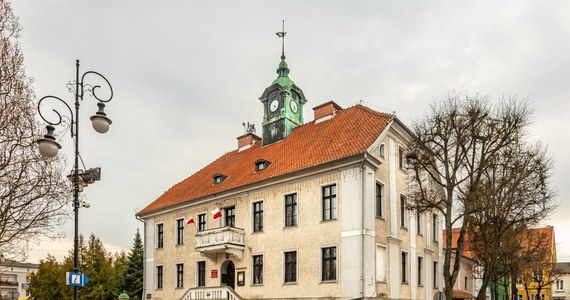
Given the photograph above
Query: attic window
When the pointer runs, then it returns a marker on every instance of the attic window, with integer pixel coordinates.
(261, 164)
(219, 178)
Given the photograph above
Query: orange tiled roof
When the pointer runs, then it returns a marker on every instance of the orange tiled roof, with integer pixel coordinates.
(544, 236)
(459, 294)
(350, 132)
(467, 245)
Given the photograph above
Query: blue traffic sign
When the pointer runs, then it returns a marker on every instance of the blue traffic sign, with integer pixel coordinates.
(75, 279)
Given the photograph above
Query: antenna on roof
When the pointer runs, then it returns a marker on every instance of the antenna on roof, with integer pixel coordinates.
(248, 128)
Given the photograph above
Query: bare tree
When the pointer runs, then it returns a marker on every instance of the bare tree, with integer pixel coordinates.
(454, 148)
(514, 195)
(33, 192)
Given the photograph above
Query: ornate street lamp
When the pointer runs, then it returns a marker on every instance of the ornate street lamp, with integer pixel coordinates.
(49, 147)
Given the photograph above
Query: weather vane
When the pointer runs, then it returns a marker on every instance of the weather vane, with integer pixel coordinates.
(282, 36)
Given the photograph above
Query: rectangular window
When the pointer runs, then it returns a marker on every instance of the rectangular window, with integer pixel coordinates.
(520, 297)
(419, 222)
(403, 211)
(179, 275)
(328, 256)
(401, 158)
(404, 267)
(435, 278)
(257, 269)
(291, 266)
(230, 216)
(380, 263)
(434, 227)
(159, 276)
(291, 210)
(201, 222)
(420, 271)
(329, 202)
(258, 216)
(379, 200)
(160, 235)
(201, 273)
(465, 283)
(559, 285)
(179, 231)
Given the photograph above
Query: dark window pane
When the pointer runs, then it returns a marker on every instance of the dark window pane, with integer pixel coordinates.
(257, 269)
(291, 266)
(230, 216)
(328, 263)
(291, 210)
(329, 202)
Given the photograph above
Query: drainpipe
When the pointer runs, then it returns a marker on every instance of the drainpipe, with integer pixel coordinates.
(363, 230)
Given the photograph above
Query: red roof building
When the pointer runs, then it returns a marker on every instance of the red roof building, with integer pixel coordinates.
(305, 210)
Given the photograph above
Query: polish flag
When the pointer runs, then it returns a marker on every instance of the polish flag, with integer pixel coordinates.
(190, 221)
(217, 213)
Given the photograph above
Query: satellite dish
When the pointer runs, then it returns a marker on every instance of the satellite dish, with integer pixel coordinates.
(439, 296)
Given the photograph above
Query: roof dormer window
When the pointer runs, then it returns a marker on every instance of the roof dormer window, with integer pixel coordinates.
(219, 178)
(261, 164)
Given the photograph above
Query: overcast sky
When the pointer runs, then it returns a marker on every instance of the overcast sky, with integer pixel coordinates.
(186, 74)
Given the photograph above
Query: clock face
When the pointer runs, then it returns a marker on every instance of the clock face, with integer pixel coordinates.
(293, 105)
(274, 105)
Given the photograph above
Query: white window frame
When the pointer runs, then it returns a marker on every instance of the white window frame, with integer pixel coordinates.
(156, 278)
(435, 272)
(322, 200)
(198, 273)
(382, 200)
(284, 205)
(176, 275)
(198, 221)
(405, 277)
(403, 212)
(157, 236)
(296, 267)
(560, 285)
(252, 211)
(337, 256)
(263, 271)
(176, 232)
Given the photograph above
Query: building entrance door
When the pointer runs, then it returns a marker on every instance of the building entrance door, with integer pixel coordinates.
(229, 274)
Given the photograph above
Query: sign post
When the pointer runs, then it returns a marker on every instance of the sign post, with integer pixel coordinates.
(75, 279)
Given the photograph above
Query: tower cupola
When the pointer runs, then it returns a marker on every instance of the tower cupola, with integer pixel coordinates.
(282, 101)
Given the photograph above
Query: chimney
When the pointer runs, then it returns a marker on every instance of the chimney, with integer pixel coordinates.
(325, 111)
(247, 140)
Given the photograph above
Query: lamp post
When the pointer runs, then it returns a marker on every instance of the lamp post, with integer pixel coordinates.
(49, 147)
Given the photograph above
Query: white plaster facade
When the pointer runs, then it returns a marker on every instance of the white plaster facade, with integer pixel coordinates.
(560, 288)
(370, 248)
(15, 276)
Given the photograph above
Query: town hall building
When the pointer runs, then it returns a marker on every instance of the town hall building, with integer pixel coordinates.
(308, 210)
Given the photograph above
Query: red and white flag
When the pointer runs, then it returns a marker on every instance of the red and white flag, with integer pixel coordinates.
(217, 213)
(190, 220)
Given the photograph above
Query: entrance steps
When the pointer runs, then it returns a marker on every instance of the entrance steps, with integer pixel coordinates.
(211, 293)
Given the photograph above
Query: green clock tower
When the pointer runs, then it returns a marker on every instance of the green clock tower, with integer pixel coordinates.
(282, 103)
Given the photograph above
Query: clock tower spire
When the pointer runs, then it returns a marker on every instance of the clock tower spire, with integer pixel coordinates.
(282, 102)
